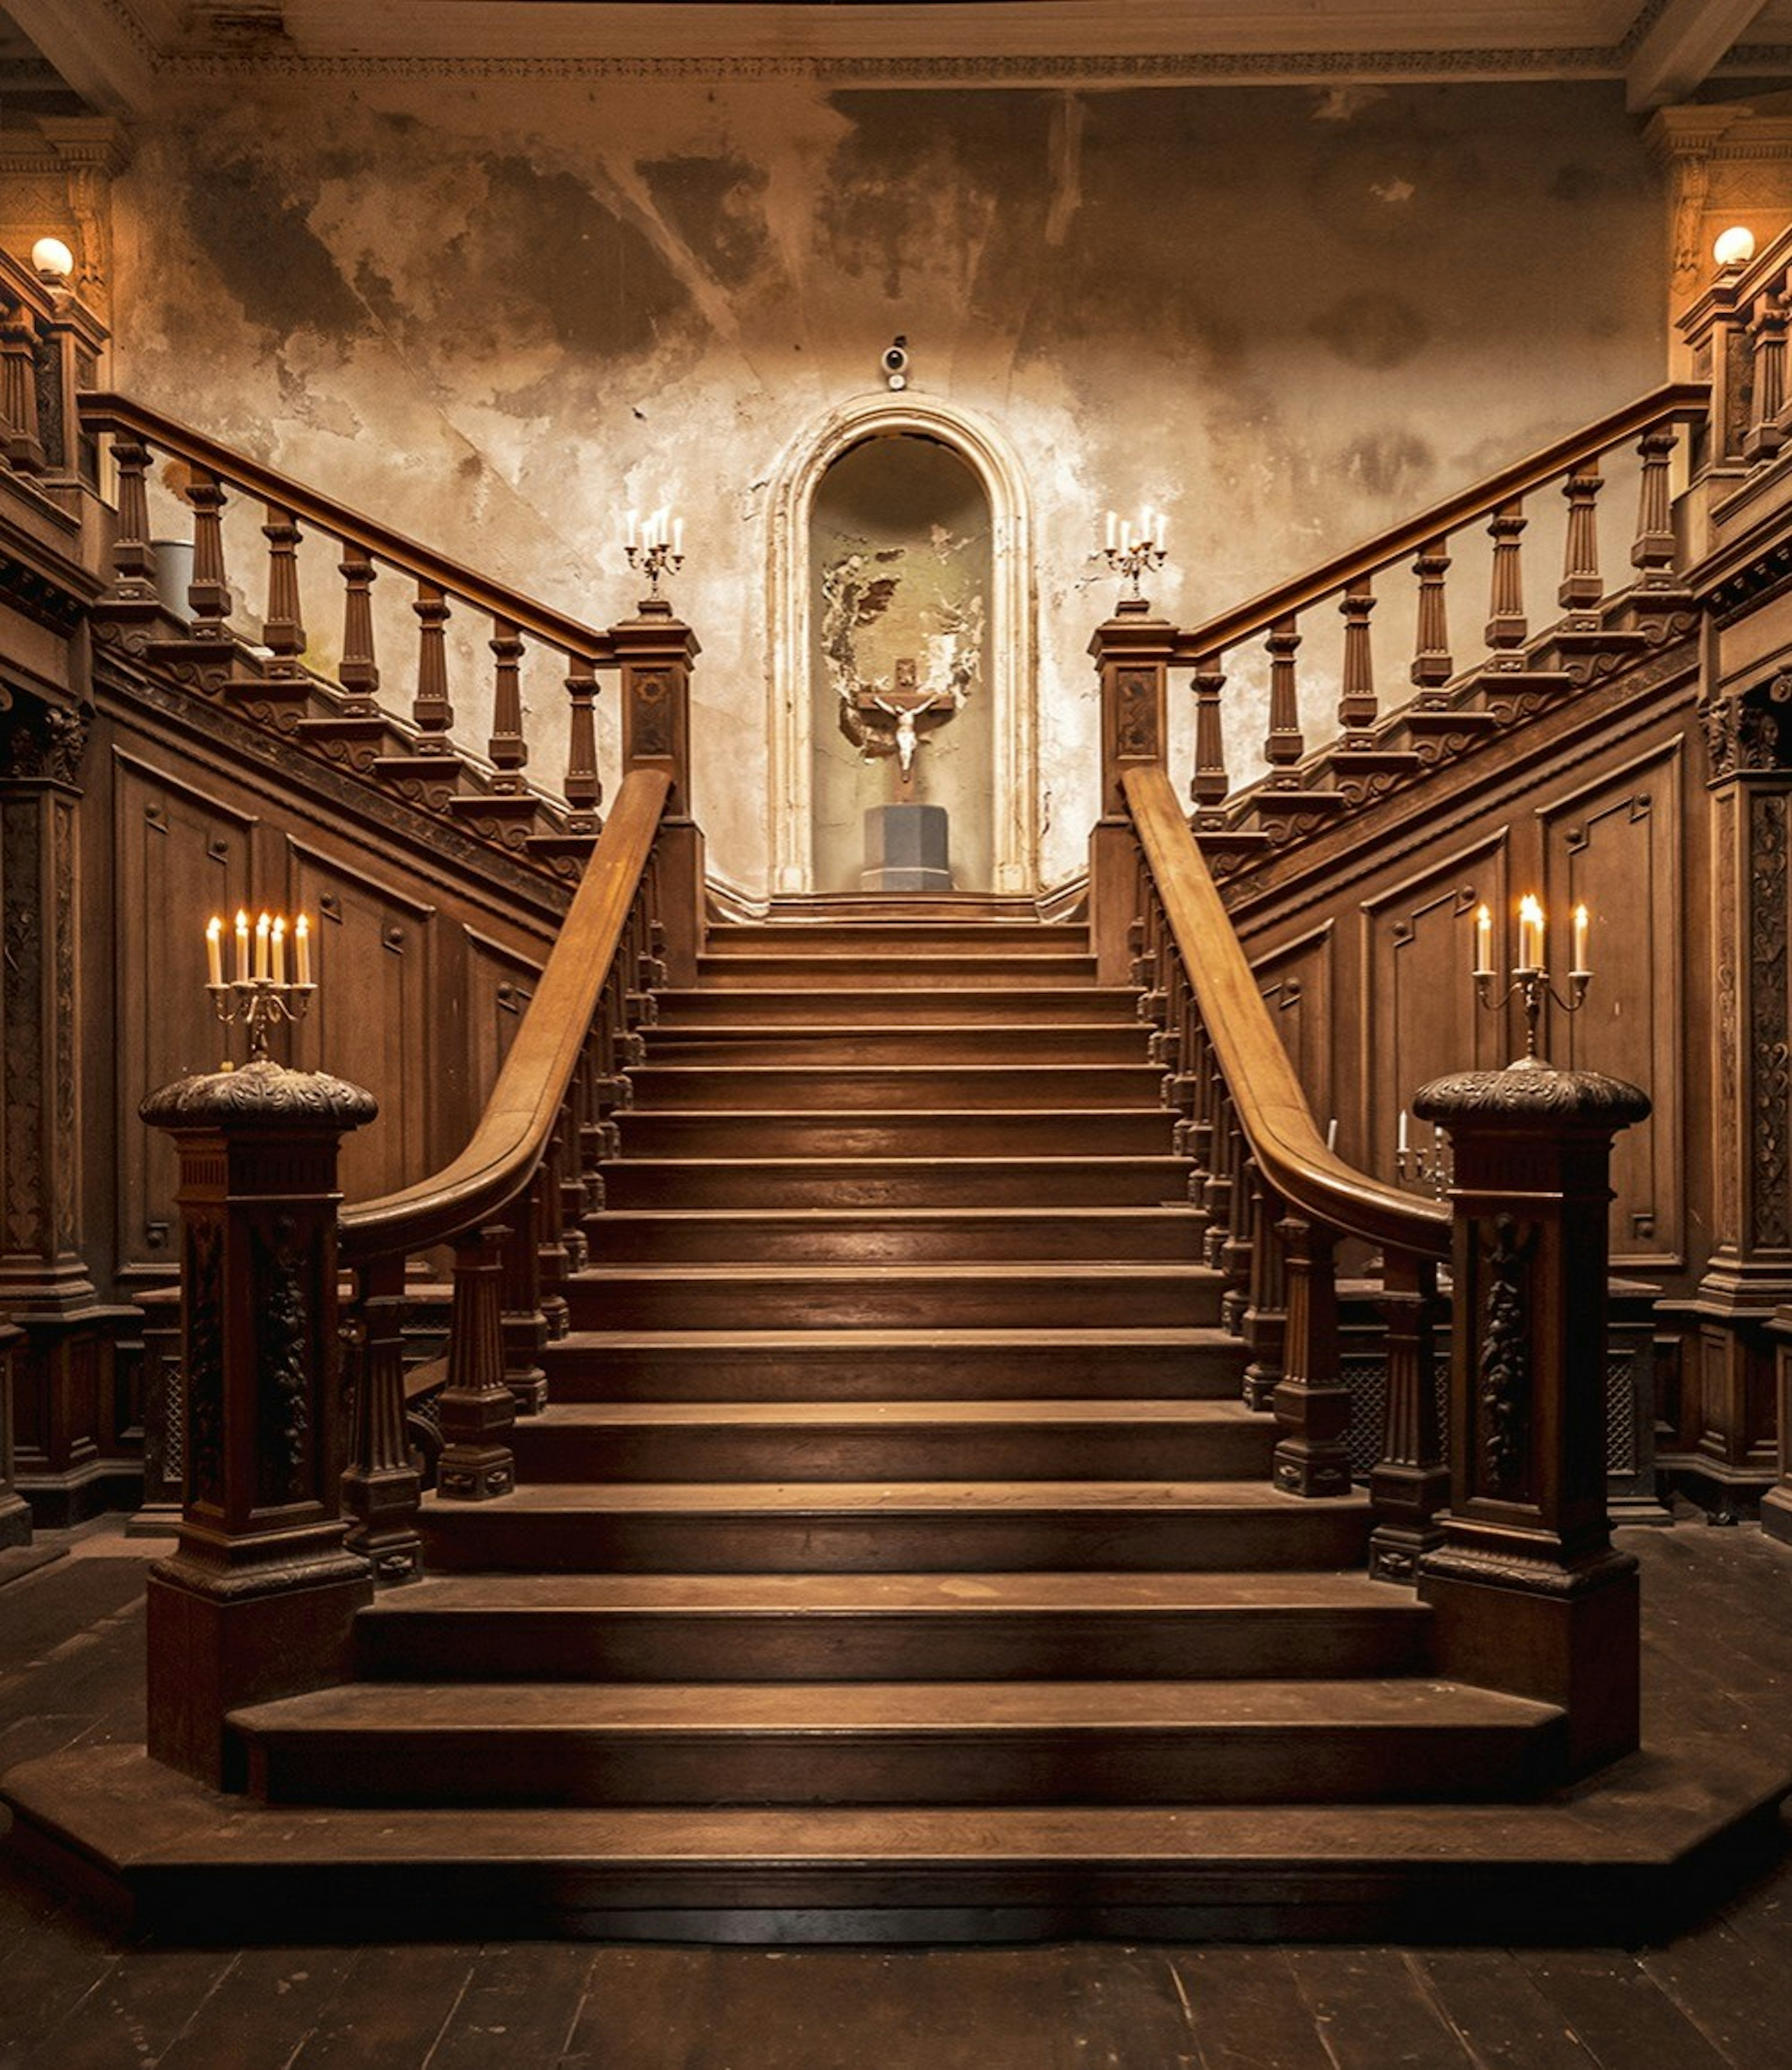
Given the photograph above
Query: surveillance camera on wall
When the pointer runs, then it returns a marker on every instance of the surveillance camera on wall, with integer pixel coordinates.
(895, 364)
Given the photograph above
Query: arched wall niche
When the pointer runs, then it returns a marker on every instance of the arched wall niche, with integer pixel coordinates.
(1010, 666)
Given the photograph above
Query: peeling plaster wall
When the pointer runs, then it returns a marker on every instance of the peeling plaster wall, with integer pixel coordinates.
(496, 313)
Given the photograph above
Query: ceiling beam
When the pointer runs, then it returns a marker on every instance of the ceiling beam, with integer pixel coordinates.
(1683, 45)
(101, 48)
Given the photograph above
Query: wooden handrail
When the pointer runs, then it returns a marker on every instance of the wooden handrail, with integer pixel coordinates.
(102, 411)
(532, 1086)
(1674, 401)
(1272, 1109)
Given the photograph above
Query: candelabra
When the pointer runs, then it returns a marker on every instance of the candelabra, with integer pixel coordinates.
(1132, 557)
(655, 545)
(1531, 981)
(260, 996)
(1429, 1170)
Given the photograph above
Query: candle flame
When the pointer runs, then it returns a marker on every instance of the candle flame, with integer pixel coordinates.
(1530, 910)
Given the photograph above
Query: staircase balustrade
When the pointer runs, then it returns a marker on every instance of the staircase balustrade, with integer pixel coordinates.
(1735, 334)
(50, 348)
(265, 675)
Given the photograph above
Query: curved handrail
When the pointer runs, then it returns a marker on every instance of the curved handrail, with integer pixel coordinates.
(1675, 400)
(1271, 1108)
(515, 1130)
(104, 412)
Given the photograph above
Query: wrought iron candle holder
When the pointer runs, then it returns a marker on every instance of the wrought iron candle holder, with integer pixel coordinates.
(260, 997)
(1428, 1170)
(1131, 559)
(655, 546)
(1531, 981)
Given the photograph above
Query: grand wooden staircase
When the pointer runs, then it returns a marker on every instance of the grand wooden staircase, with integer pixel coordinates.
(895, 1463)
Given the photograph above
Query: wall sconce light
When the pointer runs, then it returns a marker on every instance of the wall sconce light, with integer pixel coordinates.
(1735, 247)
(51, 259)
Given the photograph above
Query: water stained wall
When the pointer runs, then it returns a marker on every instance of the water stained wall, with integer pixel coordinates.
(496, 311)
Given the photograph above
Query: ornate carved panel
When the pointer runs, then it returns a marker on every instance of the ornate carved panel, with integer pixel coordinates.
(1616, 846)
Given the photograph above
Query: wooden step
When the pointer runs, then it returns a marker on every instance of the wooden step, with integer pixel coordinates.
(1197, 1527)
(896, 1004)
(898, 1088)
(894, 1441)
(1059, 1295)
(894, 1235)
(877, 1365)
(835, 1046)
(857, 937)
(888, 1627)
(1139, 1742)
(959, 1132)
(878, 970)
(695, 1181)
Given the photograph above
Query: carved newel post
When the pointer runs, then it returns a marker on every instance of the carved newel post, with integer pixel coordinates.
(1132, 652)
(656, 651)
(259, 1599)
(1527, 1593)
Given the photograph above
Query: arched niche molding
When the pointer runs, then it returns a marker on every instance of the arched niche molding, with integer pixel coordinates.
(1010, 672)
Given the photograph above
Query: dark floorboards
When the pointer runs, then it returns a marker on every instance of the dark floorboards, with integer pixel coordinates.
(72, 1997)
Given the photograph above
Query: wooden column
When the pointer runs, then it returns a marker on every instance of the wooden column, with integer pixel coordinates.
(15, 1515)
(656, 651)
(1526, 1591)
(1132, 652)
(259, 1599)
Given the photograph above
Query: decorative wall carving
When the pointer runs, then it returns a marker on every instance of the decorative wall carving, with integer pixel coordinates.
(282, 1335)
(203, 1293)
(1503, 1364)
(1769, 1029)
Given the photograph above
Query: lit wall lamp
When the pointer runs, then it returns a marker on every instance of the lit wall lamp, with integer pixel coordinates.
(52, 261)
(1735, 247)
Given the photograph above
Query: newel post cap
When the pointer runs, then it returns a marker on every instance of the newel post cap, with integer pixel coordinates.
(1531, 1095)
(260, 1095)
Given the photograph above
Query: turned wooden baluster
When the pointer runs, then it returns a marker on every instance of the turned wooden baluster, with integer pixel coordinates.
(1217, 1198)
(506, 747)
(1211, 783)
(583, 792)
(576, 1198)
(432, 712)
(132, 562)
(1432, 664)
(1410, 1483)
(1507, 623)
(523, 1325)
(358, 674)
(553, 1265)
(1266, 1317)
(208, 594)
(1284, 744)
(1234, 1260)
(477, 1405)
(1356, 704)
(1653, 554)
(22, 446)
(1581, 584)
(382, 1489)
(1766, 435)
(1196, 1141)
(1311, 1407)
(282, 628)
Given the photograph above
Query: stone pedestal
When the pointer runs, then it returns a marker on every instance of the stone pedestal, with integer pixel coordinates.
(259, 1599)
(1526, 1592)
(906, 850)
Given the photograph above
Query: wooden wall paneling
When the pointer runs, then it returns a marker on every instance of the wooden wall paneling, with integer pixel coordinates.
(1296, 980)
(385, 1015)
(500, 985)
(179, 853)
(1419, 1017)
(1615, 845)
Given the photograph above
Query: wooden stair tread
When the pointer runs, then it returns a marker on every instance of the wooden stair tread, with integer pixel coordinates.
(759, 1271)
(1294, 1592)
(886, 1497)
(799, 1415)
(848, 1216)
(716, 1343)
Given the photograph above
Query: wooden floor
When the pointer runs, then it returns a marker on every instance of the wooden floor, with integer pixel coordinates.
(1718, 1639)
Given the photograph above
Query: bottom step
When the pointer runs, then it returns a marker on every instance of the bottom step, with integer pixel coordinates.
(1624, 1859)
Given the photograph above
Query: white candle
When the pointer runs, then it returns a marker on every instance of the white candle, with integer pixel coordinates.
(1147, 534)
(1162, 521)
(1581, 968)
(301, 948)
(1332, 1133)
(634, 522)
(1113, 530)
(1400, 1141)
(678, 536)
(1125, 537)
(1483, 942)
(242, 946)
(263, 927)
(279, 944)
(659, 528)
(214, 951)
(1530, 934)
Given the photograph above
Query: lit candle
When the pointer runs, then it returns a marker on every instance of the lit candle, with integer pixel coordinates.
(301, 948)
(1483, 941)
(659, 537)
(634, 524)
(242, 946)
(1146, 533)
(678, 536)
(1530, 934)
(1400, 1140)
(263, 927)
(1113, 530)
(1581, 968)
(279, 944)
(1161, 520)
(1125, 537)
(214, 951)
